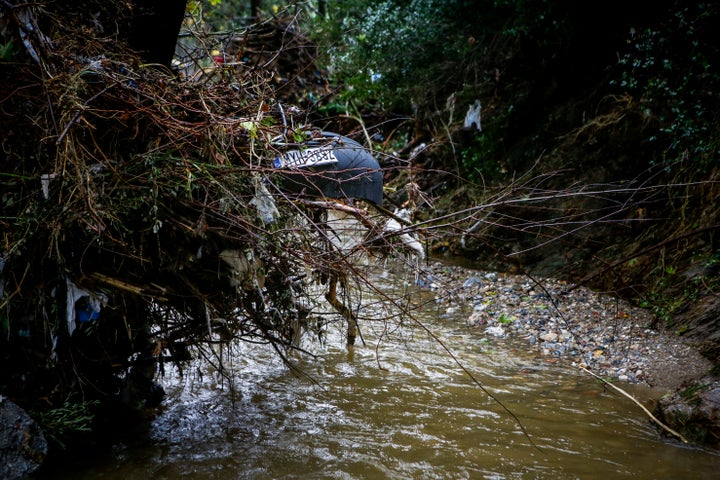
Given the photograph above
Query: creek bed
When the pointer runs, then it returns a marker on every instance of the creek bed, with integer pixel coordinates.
(398, 407)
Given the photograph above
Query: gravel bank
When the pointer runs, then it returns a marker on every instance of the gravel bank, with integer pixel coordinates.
(582, 327)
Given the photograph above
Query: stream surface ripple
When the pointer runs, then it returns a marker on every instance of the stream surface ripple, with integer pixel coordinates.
(398, 406)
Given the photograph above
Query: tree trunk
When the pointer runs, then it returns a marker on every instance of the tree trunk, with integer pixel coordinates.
(255, 9)
(154, 29)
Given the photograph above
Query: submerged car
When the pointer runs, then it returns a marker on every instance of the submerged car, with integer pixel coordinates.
(332, 166)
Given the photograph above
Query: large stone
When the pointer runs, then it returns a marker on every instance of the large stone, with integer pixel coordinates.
(695, 412)
(23, 447)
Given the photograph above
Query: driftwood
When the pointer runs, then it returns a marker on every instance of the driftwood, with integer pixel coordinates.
(636, 402)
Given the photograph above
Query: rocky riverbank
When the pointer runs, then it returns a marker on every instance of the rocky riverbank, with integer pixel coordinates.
(602, 333)
(576, 325)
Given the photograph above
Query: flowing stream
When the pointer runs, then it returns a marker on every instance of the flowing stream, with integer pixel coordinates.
(398, 407)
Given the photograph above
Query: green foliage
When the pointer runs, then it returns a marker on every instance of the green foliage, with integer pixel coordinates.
(221, 14)
(387, 50)
(674, 74)
(671, 292)
(233, 14)
(662, 303)
(417, 57)
(7, 51)
(59, 424)
(478, 158)
(409, 54)
(505, 318)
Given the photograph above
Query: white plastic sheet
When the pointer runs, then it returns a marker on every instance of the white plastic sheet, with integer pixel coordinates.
(472, 117)
(75, 294)
(410, 241)
(264, 203)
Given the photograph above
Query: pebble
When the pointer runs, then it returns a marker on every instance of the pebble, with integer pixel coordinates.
(548, 337)
(602, 333)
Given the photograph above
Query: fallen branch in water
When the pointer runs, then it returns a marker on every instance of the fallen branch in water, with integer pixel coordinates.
(649, 414)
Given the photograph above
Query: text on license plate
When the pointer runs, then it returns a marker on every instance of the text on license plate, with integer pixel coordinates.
(306, 158)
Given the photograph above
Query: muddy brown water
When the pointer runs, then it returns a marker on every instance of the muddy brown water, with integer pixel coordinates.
(398, 407)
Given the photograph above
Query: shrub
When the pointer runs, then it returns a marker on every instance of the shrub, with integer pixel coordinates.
(671, 71)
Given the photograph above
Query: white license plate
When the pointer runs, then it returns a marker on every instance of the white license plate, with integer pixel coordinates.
(306, 158)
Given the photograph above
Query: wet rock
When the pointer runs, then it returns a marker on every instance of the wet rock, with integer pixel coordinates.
(472, 281)
(23, 447)
(495, 331)
(585, 327)
(549, 337)
(694, 411)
